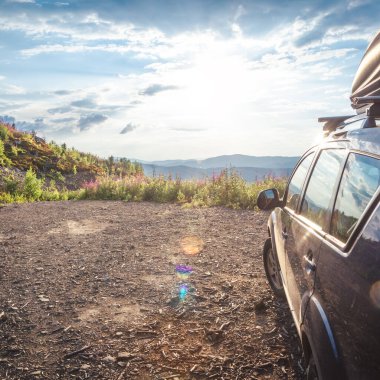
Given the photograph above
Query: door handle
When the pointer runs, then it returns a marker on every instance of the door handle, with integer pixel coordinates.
(309, 263)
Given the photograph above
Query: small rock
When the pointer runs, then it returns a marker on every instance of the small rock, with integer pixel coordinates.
(85, 366)
(227, 287)
(109, 359)
(118, 333)
(214, 336)
(3, 317)
(123, 356)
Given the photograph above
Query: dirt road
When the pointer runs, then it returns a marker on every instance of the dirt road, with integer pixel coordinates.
(115, 290)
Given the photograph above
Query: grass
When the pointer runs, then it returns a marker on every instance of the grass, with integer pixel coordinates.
(228, 189)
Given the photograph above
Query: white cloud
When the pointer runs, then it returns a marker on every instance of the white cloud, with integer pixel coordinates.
(357, 3)
(12, 89)
(21, 1)
(240, 11)
(228, 90)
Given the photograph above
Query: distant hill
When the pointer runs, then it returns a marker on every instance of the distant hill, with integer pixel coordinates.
(235, 160)
(251, 168)
(187, 172)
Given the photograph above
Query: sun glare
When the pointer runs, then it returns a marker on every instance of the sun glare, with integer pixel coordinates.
(215, 84)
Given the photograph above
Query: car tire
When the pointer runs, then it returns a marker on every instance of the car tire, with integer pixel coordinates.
(272, 269)
(311, 369)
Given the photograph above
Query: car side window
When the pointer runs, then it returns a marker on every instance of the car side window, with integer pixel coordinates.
(361, 179)
(319, 192)
(372, 230)
(296, 183)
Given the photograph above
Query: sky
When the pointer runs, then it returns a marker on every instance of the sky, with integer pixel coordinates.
(173, 79)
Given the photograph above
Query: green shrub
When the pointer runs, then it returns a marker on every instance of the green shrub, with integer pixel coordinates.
(56, 176)
(12, 185)
(32, 188)
(4, 133)
(9, 198)
(228, 189)
(4, 160)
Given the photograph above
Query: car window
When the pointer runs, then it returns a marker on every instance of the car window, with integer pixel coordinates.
(296, 183)
(319, 192)
(361, 178)
(372, 230)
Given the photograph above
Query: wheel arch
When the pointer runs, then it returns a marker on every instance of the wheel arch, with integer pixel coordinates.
(318, 338)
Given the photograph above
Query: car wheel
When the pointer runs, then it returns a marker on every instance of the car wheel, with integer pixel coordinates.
(311, 369)
(272, 269)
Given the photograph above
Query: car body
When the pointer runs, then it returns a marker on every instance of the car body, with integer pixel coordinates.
(323, 248)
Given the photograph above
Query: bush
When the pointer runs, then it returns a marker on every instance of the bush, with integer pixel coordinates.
(12, 185)
(4, 160)
(4, 133)
(227, 189)
(32, 188)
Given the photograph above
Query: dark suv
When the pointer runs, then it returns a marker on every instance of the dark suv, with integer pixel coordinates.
(323, 250)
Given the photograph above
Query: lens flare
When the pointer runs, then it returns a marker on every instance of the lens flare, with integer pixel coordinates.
(183, 290)
(183, 271)
(192, 245)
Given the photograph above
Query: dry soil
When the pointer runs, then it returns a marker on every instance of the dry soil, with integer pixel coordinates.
(115, 290)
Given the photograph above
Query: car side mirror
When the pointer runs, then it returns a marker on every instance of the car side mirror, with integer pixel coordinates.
(268, 199)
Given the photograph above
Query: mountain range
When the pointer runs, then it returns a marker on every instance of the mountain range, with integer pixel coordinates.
(251, 168)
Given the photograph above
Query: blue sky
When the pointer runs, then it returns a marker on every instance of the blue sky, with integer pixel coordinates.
(180, 79)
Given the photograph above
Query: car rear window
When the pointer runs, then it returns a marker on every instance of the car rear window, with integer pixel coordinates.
(361, 179)
(319, 193)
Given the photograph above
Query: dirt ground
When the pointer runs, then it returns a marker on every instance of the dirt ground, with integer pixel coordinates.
(115, 290)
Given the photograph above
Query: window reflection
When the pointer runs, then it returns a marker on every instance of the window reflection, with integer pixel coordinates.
(360, 180)
(372, 231)
(295, 185)
(319, 191)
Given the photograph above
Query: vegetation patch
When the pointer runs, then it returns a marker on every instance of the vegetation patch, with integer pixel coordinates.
(34, 170)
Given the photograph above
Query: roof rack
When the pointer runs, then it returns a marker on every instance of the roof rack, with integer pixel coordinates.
(367, 104)
(333, 122)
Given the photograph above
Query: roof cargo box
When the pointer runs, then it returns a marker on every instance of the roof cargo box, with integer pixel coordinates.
(367, 78)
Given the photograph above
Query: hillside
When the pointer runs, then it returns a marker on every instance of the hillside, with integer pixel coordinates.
(67, 167)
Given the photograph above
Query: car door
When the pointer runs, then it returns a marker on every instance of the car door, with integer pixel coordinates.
(347, 285)
(307, 227)
(284, 215)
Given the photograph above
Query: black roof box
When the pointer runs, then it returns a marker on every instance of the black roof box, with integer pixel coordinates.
(367, 78)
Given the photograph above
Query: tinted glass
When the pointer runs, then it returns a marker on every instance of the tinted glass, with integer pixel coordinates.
(319, 192)
(295, 185)
(372, 231)
(360, 181)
